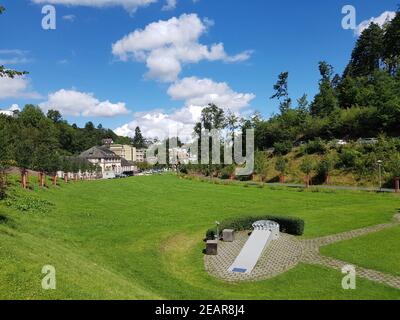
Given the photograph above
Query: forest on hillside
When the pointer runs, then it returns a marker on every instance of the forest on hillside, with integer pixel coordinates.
(363, 102)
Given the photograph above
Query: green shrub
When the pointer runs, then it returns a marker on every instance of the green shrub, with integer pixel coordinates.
(366, 165)
(25, 203)
(283, 148)
(316, 146)
(307, 165)
(281, 165)
(326, 165)
(290, 225)
(227, 172)
(348, 158)
(394, 165)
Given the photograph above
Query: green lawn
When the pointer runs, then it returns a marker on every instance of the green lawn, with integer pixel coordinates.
(141, 238)
(378, 251)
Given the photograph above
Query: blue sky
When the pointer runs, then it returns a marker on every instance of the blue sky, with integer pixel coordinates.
(76, 64)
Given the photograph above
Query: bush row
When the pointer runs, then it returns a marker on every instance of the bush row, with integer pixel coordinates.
(290, 225)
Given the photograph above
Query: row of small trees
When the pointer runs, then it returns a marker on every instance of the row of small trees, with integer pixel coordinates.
(72, 168)
(36, 142)
(307, 166)
(323, 168)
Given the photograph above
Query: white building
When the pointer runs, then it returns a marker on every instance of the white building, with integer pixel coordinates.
(140, 155)
(124, 151)
(109, 162)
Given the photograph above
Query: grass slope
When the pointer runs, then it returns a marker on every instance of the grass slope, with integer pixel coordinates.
(377, 251)
(141, 238)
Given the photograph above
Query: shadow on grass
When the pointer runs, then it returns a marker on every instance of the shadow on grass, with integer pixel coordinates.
(3, 219)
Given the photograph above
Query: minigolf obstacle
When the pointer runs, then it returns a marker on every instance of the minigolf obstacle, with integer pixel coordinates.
(264, 232)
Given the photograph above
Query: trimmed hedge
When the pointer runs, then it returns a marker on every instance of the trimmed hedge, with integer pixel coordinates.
(290, 225)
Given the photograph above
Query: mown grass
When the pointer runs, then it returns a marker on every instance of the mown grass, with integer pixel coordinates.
(141, 238)
(378, 251)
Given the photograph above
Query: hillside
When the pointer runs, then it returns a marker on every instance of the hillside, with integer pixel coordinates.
(142, 238)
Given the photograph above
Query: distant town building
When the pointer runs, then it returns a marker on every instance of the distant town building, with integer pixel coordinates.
(127, 166)
(124, 151)
(140, 155)
(109, 162)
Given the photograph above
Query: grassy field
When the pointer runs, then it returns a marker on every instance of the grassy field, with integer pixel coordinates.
(141, 238)
(382, 253)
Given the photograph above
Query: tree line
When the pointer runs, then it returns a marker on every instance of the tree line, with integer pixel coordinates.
(46, 143)
(362, 102)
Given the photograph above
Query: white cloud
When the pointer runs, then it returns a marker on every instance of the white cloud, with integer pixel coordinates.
(18, 87)
(159, 124)
(62, 61)
(75, 103)
(13, 56)
(10, 110)
(196, 94)
(15, 107)
(170, 5)
(69, 17)
(129, 5)
(201, 92)
(381, 20)
(167, 45)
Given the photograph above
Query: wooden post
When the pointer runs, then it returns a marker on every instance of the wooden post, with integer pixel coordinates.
(397, 185)
(23, 179)
(55, 179)
(26, 179)
(41, 179)
(307, 180)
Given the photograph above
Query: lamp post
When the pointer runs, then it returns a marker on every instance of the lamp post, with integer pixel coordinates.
(380, 162)
(217, 235)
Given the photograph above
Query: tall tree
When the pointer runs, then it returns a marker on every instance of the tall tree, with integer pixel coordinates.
(326, 101)
(232, 123)
(54, 115)
(6, 152)
(307, 167)
(281, 166)
(213, 117)
(302, 102)
(282, 93)
(138, 140)
(391, 45)
(367, 54)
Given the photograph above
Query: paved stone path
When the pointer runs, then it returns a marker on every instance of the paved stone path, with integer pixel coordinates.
(282, 255)
(286, 252)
